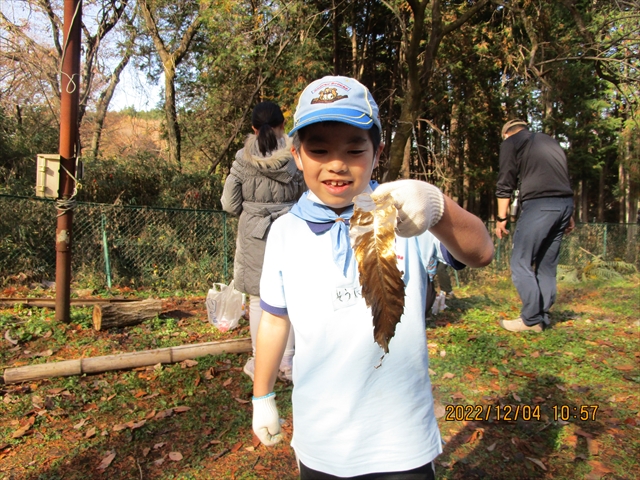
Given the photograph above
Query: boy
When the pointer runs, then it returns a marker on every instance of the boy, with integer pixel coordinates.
(351, 419)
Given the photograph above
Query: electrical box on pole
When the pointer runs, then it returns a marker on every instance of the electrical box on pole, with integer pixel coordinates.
(48, 175)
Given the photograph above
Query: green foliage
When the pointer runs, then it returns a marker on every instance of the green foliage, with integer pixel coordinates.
(23, 135)
(595, 269)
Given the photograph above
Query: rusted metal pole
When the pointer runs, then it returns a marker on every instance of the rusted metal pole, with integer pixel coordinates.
(69, 100)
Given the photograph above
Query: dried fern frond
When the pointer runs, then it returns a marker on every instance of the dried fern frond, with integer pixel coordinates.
(372, 233)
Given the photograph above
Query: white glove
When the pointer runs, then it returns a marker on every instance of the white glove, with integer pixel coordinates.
(420, 205)
(266, 421)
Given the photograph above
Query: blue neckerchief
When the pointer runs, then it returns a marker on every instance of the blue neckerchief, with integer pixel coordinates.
(321, 218)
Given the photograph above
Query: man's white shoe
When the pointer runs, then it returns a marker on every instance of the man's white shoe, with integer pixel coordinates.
(518, 325)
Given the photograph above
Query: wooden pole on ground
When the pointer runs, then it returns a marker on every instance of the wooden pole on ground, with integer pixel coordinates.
(124, 361)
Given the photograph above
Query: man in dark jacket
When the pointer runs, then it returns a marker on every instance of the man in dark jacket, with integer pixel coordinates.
(535, 164)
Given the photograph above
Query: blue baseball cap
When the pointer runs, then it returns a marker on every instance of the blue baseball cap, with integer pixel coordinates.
(336, 99)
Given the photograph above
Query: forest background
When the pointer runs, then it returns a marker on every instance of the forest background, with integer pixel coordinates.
(446, 74)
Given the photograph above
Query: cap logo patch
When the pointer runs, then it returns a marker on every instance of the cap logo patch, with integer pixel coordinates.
(328, 95)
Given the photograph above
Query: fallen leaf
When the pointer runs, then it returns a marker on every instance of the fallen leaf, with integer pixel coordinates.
(516, 397)
(582, 433)
(475, 435)
(159, 461)
(227, 382)
(537, 462)
(145, 451)
(494, 370)
(593, 446)
(119, 427)
(9, 339)
(443, 353)
(458, 396)
(175, 456)
(45, 353)
(135, 425)
(535, 354)
(106, 461)
(448, 375)
(624, 368)
(240, 400)
(159, 445)
(260, 467)
(22, 431)
(181, 409)
(90, 433)
(598, 470)
(163, 414)
(140, 393)
(236, 447)
(492, 447)
(188, 363)
(255, 441)
(80, 424)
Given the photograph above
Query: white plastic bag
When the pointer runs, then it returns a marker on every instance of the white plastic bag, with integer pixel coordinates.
(438, 304)
(224, 306)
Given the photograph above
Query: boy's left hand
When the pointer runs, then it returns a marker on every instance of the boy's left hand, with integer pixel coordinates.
(420, 205)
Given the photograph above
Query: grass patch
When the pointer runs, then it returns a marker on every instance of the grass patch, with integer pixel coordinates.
(202, 410)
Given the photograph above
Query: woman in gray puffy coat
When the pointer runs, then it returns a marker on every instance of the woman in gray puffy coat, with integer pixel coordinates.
(263, 184)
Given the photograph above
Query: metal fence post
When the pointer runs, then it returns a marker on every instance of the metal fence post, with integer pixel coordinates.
(604, 247)
(107, 264)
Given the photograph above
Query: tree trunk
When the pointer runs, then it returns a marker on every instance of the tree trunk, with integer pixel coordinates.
(171, 115)
(419, 74)
(601, 193)
(116, 315)
(584, 200)
(170, 61)
(622, 199)
(104, 101)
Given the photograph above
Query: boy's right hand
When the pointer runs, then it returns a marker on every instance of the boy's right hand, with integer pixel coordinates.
(420, 205)
(266, 421)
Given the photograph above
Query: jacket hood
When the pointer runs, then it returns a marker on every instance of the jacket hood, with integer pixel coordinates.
(278, 165)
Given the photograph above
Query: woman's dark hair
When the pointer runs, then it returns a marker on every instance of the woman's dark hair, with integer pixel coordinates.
(265, 117)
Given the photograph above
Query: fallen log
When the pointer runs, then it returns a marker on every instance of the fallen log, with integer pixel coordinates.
(114, 315)
(124, 361)
(51, 302)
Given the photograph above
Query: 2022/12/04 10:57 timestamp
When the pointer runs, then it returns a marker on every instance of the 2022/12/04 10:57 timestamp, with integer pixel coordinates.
(508, 413)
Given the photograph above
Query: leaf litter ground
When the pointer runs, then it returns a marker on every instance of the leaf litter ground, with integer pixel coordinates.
(193, 420)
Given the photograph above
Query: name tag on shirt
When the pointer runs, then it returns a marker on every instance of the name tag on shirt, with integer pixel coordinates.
(346, 295)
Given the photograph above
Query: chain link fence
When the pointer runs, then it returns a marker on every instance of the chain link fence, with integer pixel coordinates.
(120, 245)
(167, 249)
(612, 242)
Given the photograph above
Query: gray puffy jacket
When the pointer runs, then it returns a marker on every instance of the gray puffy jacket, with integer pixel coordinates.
(259, 189)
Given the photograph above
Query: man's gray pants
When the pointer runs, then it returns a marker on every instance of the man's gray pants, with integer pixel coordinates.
(535, 255)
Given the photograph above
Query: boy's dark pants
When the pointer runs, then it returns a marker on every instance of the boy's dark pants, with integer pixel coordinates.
(535, 255)
(425, 472)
